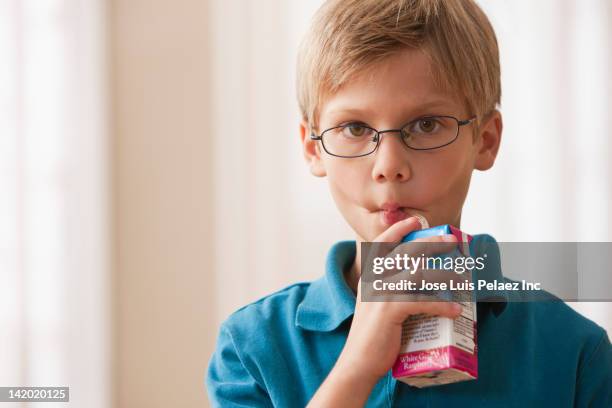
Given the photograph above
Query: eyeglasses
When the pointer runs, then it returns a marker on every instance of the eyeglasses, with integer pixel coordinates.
(425, 133)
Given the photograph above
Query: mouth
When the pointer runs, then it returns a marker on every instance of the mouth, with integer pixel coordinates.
(392, 212)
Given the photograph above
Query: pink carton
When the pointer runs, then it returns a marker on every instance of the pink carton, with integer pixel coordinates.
(439, 350)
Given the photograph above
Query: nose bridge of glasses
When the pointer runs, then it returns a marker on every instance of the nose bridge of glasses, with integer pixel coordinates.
(389, 131)
(379, 133)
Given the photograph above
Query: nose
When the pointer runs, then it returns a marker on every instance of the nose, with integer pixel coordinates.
(391, 159)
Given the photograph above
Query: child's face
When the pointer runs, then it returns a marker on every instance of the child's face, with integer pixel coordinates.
(433, 183)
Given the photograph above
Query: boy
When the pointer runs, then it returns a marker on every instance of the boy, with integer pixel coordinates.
(399, 107)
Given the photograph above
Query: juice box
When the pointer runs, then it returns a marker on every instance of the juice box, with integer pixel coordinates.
(439, 350)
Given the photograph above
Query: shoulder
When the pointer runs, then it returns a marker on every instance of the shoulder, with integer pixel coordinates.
(271, 312)
(250, 341)
(557, 312)
(555, 319)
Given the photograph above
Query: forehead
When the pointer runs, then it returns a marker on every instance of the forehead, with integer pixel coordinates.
(402, 84)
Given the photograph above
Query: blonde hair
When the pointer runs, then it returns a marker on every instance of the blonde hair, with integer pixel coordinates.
(348, 36)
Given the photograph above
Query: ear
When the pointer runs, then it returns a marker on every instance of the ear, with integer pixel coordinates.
(312, 151)
(488, 141)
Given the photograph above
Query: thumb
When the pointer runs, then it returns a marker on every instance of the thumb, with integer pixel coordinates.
(397, 231)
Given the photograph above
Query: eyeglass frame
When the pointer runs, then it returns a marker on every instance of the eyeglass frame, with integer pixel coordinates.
(460, 123)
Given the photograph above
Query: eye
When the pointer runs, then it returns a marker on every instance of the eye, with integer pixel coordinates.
(356, 130)
(425, 125)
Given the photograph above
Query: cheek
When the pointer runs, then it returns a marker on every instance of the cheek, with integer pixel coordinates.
(344, 178)
(348, 185)
(444, 177)
(456, 181)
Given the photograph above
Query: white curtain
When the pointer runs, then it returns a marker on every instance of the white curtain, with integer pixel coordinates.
(274, 222)
(54, 308)
(552, 181)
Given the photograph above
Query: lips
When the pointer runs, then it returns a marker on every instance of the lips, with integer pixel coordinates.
(391, 217)
(392, 212)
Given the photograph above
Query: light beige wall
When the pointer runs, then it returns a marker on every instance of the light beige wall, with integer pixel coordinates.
(162, 202)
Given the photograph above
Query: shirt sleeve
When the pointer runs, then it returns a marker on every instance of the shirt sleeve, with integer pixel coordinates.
(228, 382)
(594, 383)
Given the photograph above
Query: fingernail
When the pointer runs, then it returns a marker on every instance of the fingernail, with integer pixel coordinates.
(422, 220)
(457, 308)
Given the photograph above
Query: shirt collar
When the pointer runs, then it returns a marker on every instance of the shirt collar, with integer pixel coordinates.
(329, 301)
(496, 299)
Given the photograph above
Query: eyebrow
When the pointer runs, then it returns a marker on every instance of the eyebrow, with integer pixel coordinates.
(419, 108)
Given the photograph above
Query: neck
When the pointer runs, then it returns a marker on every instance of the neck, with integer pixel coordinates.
(354, 272)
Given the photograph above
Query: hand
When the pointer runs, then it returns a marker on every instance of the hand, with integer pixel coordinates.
(374, 339)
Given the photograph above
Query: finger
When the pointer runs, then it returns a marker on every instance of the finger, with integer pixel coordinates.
(397, 231)
(436, 276)
(394, 233)
(422, 247)
(446, 309)
(435, 245)
(429, 275)
(406, 286)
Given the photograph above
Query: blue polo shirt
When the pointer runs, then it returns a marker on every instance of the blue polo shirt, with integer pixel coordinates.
(278, 350)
